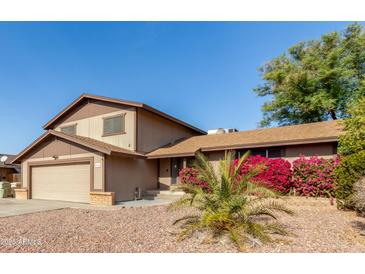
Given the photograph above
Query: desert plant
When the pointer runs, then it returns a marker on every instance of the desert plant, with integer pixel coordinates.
(314, 176)
(350, 170)
(275, 173)
(232, 207)
(359, 196)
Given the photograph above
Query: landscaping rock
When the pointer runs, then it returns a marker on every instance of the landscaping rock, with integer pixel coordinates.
(316, 227)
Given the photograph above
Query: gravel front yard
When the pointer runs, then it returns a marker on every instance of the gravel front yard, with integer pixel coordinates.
(317, 227)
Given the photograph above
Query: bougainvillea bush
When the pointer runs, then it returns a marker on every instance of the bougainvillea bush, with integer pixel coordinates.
(314, 176)
(274, 173)
(190, 176)
(311, 176)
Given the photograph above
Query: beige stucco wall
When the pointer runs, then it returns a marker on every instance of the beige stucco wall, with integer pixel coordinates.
(154, 131)
(124, 174)
(64, 150)
(89, 123)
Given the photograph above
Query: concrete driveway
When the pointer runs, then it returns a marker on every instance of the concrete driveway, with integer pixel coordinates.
(12, 207)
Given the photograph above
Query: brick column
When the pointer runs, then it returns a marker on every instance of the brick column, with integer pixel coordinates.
(21, 193)
(102, 198)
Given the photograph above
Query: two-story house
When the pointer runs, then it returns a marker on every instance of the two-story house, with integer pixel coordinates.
(96, 148)
(99, 149)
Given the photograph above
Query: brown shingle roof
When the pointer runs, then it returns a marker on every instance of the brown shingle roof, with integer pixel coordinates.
(328, 131)
(81, 140)
(96, 144)
(120, 102)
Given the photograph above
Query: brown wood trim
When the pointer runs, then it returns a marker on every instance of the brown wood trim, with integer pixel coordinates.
(27, 149)
(171, 155)
(89, 160)
(122, 115)
(271, 144)
(62, 136)
(120, 102)
(136, 129)
(104, 174)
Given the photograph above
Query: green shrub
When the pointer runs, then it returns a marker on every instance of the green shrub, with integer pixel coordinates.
(353, 140)
(350, 170)
(359, 196)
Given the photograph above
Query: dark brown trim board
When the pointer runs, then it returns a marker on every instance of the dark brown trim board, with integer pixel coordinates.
(120, 102)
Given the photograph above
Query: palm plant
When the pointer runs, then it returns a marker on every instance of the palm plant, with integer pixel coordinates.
(232, 205)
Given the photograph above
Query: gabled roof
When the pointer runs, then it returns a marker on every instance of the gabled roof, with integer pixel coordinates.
(81, 140)
(320, 132)
(120, 102)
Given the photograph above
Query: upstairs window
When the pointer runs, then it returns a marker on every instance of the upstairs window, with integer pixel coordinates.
(70, 130)
(114, 125)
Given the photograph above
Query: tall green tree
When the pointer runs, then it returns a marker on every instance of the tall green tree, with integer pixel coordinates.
(315, 80)
(353, 139)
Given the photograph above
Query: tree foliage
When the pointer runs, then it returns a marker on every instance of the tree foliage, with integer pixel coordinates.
(315, 80)
(353, 140)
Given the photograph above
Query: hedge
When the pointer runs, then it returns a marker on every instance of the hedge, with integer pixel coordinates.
(314, 176)
(351, 169)
(276, 173)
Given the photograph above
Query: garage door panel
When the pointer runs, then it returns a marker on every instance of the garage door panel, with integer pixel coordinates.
(61, 182)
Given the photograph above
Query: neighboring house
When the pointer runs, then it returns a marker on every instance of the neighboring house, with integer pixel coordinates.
(99, 148)
(8, 171)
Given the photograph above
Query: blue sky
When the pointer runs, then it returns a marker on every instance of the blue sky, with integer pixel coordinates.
(202, 73)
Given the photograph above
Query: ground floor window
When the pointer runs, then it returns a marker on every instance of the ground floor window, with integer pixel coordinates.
(272, 152)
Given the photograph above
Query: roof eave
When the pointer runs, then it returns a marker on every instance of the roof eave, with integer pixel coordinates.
(162, 156)
(130, 155)
(77, 141)
(271, 144)
(24, 151)
(247, 146)
(16, 160)
(117, 101)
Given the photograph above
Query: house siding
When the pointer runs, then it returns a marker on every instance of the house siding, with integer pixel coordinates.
(325, 150)
(154, 131)
(124, 175)
(89, 123)
(64, 150)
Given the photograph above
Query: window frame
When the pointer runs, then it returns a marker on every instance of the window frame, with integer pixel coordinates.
(69, 126)
(122, 119)
(278, 148)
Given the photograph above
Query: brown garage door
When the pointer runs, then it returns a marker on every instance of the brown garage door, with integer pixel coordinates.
(61, 182)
